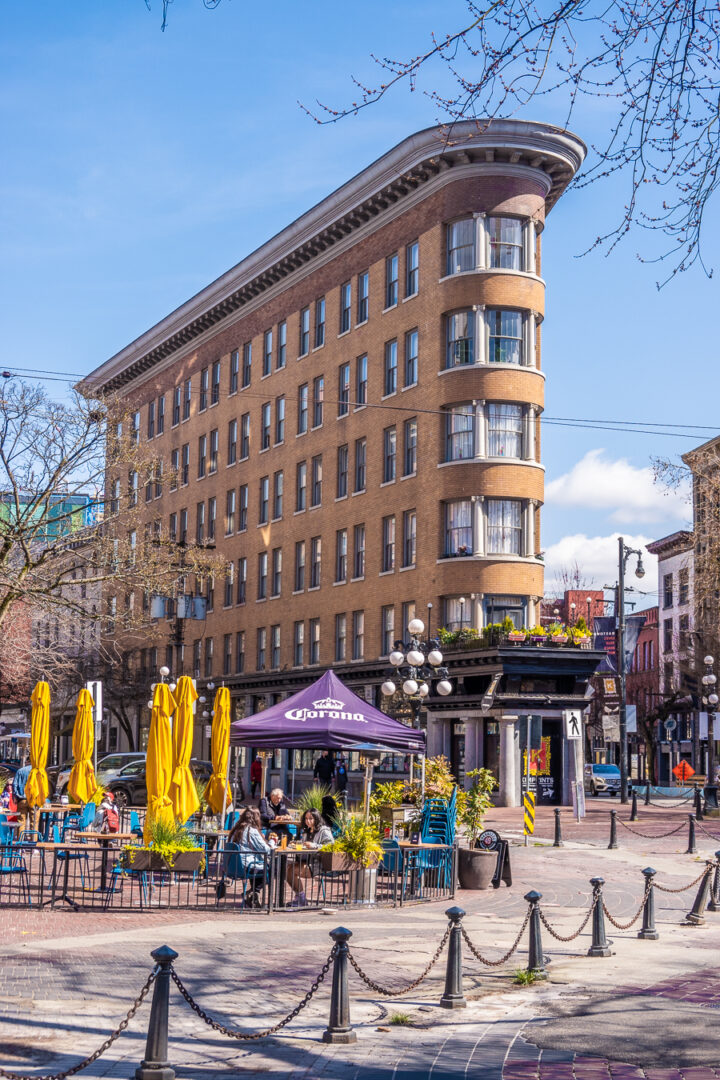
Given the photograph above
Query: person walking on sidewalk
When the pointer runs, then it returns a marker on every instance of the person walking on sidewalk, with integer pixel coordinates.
(324, 768)
(255, 776)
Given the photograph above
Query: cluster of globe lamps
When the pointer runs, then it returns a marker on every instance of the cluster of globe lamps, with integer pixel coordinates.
(415, 685)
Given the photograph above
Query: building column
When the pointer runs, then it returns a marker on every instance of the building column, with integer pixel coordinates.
(508, 763)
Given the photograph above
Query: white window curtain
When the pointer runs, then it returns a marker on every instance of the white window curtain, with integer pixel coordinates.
(505, 430)
(459, 527)
(461, 432)
(504, 526)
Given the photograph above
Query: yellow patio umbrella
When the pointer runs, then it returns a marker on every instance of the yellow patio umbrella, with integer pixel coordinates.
(36, 789)
(159, 763)
(217, 792)
(182, 786)
(82, 784)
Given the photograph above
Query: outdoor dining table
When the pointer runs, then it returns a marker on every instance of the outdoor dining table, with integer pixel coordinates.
(103, 839)
(59, 809)
(50, 845)
(280, 858)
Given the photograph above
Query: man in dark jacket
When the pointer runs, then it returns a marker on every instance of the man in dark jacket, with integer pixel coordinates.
(324, 768)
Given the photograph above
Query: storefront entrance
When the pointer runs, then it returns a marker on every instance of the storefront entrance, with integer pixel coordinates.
(546, 764)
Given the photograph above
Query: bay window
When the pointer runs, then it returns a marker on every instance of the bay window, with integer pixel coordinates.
(504, 527)
(461, 246)
(459, 528)
(460, 433)
(491, 429)
(460, 339)
(494, 242)
(505, 337)
(505, 238)
(505, 430)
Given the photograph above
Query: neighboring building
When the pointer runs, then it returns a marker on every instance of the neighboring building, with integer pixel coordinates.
(351, 416)
(642, 683)
(574, 604)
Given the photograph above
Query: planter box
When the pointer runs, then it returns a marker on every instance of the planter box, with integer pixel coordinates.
(476, 868)
(141, 860)
(559, 639)
(188, 862)
(339, 862)
(517, 636)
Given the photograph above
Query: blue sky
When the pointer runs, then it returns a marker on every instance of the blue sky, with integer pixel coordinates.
(140, 165)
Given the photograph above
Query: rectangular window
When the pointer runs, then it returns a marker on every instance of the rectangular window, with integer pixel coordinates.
(316, 482)
(229, 585)
(411, 358)
(161, 414)
(388, 543)
(187, 399)
(300, 486)
(149, 485)
(276, 583)
(460, 433)
(363, 296)
(232, 442)
(318, 397)
(460, 339)
(275, 647)
(278, 495)
(304, 331)
(461, 246)
(459, 527)
(361, 382)
(667, 636)
(200, 523)
(234, 371)
(390, 371)
(135, 428)
(359, 552)
(340, 637)
(299, 565)
(281, 346)
(267, 352)
(358, 635)
(684, 586)
(319, 322)
(244, 436)
(505, 430)
(239, 652)
(183, 526)
(389, 454)
(315, 562)
(345, 307)
(177, 398)
(197, 646)
(227, 654)
(412, 268)
(505, 341)
(506, 242)
(215, 383)
(209, 643)
(411, 441)
(264, 502)
(409, 537)
(298, 643)
(262, 575)
(242, 508)
(151, 420)
(408, 614)
(242, 580)
(202, 456)
(261, 644)
(265, 426)
(504, 526)
(279, 420)
(214, 450)
(391, 281)
(302, 423)
(204, 383)
(314, 627)
(387, 629)
(341, 555)
(342, 472)
(247, 363)
(212, 518)
(684, 636)
(360, 464)
(343, 390)
(667, 590)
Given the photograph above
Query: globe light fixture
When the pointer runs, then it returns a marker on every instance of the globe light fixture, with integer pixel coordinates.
(423, 690)
(388, 688)
(444, 687)
(416, 627)
(410, 686)
(435, 657)
(173, 686)
(202, 699)
(713, 699)
(211, 686)
(709, 660)
(152, 686)
(164, 671)
(150, 704)
(415, 658)
(396, 658)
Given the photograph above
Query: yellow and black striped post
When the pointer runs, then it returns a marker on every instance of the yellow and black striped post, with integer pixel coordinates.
(529, 808)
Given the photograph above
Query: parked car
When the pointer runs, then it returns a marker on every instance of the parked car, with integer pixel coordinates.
(128, 782)
(108, 764)
(602, 778)
(55, 771)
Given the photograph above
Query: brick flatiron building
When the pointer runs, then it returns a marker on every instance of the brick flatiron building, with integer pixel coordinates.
(351, 416)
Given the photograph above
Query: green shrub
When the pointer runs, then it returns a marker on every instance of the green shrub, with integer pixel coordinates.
(359, 841)
(311, 798)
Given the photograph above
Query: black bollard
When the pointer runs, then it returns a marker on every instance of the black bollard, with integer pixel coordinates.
(691, 848)
(633, 808)
(156, 1066)
(613, 830)
(696, 917)
(339, 1029)
(647, 793)
(558, 841)
(536, 959)
(714, 904)
(698, 804)
(600, 944)
(453, 995)
(648, 932)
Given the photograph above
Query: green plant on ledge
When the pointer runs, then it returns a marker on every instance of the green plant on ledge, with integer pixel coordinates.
(360, 842)
(383, 796)
(476, 803)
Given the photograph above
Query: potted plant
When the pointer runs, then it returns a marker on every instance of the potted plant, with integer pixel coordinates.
(558, 634)
(538, 634)
(358, 851)
(475, 866)
(517, 636)
(311, 798)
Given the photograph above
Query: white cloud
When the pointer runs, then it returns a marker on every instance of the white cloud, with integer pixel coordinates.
(598, 482)
(597, 560)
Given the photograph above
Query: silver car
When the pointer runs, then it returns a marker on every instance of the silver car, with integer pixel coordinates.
(109, 763)
(602, 779)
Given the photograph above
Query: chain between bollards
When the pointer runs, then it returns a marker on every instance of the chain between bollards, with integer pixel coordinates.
(633, 808)
(696, 916)
(536, 958)
(453, 997)
(155, 1065)
(613, 830)
(558, 841)
(339, 1029)
(648, 932)
(600, 944)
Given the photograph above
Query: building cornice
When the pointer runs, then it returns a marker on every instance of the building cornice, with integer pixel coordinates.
(674, 544)
(384, 189)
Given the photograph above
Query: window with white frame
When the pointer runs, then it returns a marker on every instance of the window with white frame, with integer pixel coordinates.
(261, 645)
(411, 444)
(242, 507)
(276, 582)
(340, 636)
(498, 608)
(363, 296)
(302, 409)
(504, 526)
(299, 566)
(304, 344)
(342, 472)
(234, 372)
(343, 389)
(298, 643)
(232, 442)
(411, 358)
(461, 246)
(278, 483)
(458, 612)
(387, 629)
(300, 486)
(319, 322)
(391, 365)
(345, 307)
(389, 454)
(267, 352)
(460, 347)
(275, 646)
(505, 240)
(391, 281)
(460, 432)
(265, 426)
(281, 346)
(505, 336)
(409, 537)
(314, 630)
(341, 546)
(388, 543)
(497, 242)
(459, 528)
(504, 430)
(361, 382)
(358, 635)
(279, 420)
(412, 263)
(315, 561)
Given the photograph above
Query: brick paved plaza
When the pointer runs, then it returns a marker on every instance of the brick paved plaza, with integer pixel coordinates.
(66, 978)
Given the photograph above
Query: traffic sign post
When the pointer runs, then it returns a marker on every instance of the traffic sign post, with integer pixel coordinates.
(95, 687)
(529, 814)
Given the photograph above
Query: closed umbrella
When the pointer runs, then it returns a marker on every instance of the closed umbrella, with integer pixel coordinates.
(217, 792)
(36, 789)
(82, 784)
(182, 787)
(159, 763)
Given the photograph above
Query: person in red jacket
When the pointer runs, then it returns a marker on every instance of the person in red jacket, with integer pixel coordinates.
(255, 776)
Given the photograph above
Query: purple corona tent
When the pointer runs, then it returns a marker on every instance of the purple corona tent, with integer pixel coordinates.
(328, 715)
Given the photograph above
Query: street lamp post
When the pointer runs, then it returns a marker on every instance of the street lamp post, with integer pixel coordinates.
(710, 701)
(624, 553)
(417, 663)
(588, 602)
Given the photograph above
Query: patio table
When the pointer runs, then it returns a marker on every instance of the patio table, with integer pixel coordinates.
(103, 839)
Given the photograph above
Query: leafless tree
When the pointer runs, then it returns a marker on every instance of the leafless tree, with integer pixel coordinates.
(654, 66)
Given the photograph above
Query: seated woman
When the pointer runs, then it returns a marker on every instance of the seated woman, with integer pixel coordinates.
(251, 856)
(273, 808)
(314, 834)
